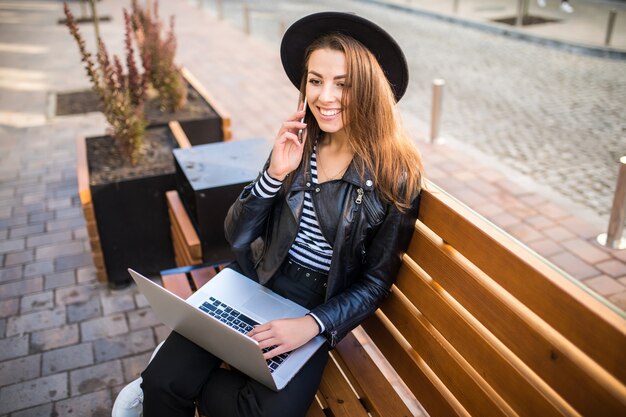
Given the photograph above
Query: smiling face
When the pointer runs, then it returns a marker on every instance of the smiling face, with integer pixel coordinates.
(326, 78)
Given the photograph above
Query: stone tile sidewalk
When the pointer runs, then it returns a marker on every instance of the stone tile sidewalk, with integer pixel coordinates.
(68, 343)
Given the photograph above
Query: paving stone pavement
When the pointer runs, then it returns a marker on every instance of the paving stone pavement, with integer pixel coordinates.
(68, 343)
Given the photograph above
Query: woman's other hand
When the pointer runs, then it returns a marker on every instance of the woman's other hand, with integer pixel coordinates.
(285, 334)
(287, 151)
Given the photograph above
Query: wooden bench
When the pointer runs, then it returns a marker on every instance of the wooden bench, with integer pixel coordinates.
(185, 239)
(476, 325)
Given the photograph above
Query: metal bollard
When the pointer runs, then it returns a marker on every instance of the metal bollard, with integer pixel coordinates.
(522, 11)
(246, 18)
(220, 9)
(526, 6)
(435, 121)
(613, 238)
(609, 27)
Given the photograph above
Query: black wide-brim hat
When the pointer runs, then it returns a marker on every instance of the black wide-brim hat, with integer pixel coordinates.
(386, 50)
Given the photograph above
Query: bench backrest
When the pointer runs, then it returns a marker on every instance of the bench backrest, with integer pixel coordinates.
(479, 325)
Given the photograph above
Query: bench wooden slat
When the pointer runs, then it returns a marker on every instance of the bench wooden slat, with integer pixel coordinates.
(315, 410)
(338, 394)
(183, 225)
(588, 388)
(376, 391)
(181, 255)
(178, 284)
(188, 282)
(416, 374)
(201, 276)
(589, 323)
(463, 381)
(175, 228)
(408, 398)
(321, 401)
(180, 249)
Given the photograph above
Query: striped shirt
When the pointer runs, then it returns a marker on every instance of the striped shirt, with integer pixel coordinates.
(266, 186)
(310, 249)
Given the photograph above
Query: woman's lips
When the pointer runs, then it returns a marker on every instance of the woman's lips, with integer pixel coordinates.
(329, 113)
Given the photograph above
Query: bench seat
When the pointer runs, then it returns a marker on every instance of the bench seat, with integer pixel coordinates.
(476, 325)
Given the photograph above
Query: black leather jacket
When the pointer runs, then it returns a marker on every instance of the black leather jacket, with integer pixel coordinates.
(368, 239)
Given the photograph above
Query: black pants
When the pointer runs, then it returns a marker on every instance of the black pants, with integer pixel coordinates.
(182, 373)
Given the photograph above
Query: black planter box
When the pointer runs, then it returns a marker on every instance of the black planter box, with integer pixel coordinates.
(133, 223)
(209, 178)
(200, 122)
(204, 120)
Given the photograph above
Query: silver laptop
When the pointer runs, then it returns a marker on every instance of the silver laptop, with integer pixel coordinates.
(218, 316)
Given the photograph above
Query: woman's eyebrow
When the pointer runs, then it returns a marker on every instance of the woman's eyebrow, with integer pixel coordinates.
(317, 74)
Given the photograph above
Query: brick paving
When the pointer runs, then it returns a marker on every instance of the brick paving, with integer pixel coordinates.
(68, 343)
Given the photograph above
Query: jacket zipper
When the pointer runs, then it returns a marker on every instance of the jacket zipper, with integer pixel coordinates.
(333, 333)
(333, 338)
(267, 233)
(359, 197)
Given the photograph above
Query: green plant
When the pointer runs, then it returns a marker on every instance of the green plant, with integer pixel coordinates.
(157, 54)
(122, 94)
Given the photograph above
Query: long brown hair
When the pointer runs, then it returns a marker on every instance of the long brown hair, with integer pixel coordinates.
(372, 123)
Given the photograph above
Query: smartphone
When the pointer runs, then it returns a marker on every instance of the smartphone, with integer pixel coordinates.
(301, 131)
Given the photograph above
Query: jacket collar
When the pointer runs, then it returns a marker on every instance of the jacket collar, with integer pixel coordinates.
(353, 176)
(302, 179)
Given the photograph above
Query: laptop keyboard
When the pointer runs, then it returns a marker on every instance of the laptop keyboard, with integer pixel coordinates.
(240, 322)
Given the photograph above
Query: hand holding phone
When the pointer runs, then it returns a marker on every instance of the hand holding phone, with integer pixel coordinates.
(286, 152)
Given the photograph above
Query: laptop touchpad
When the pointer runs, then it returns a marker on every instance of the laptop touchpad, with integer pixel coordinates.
(267, 306)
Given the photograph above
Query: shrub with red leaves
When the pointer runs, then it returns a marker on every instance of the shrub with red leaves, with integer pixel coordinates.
(122, 93)
(158, 49)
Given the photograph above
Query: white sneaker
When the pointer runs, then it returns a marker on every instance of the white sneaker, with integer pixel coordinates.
(129, 402)
(541, 3)
(566, 7)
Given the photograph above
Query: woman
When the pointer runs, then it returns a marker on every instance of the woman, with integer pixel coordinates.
(325, 224)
